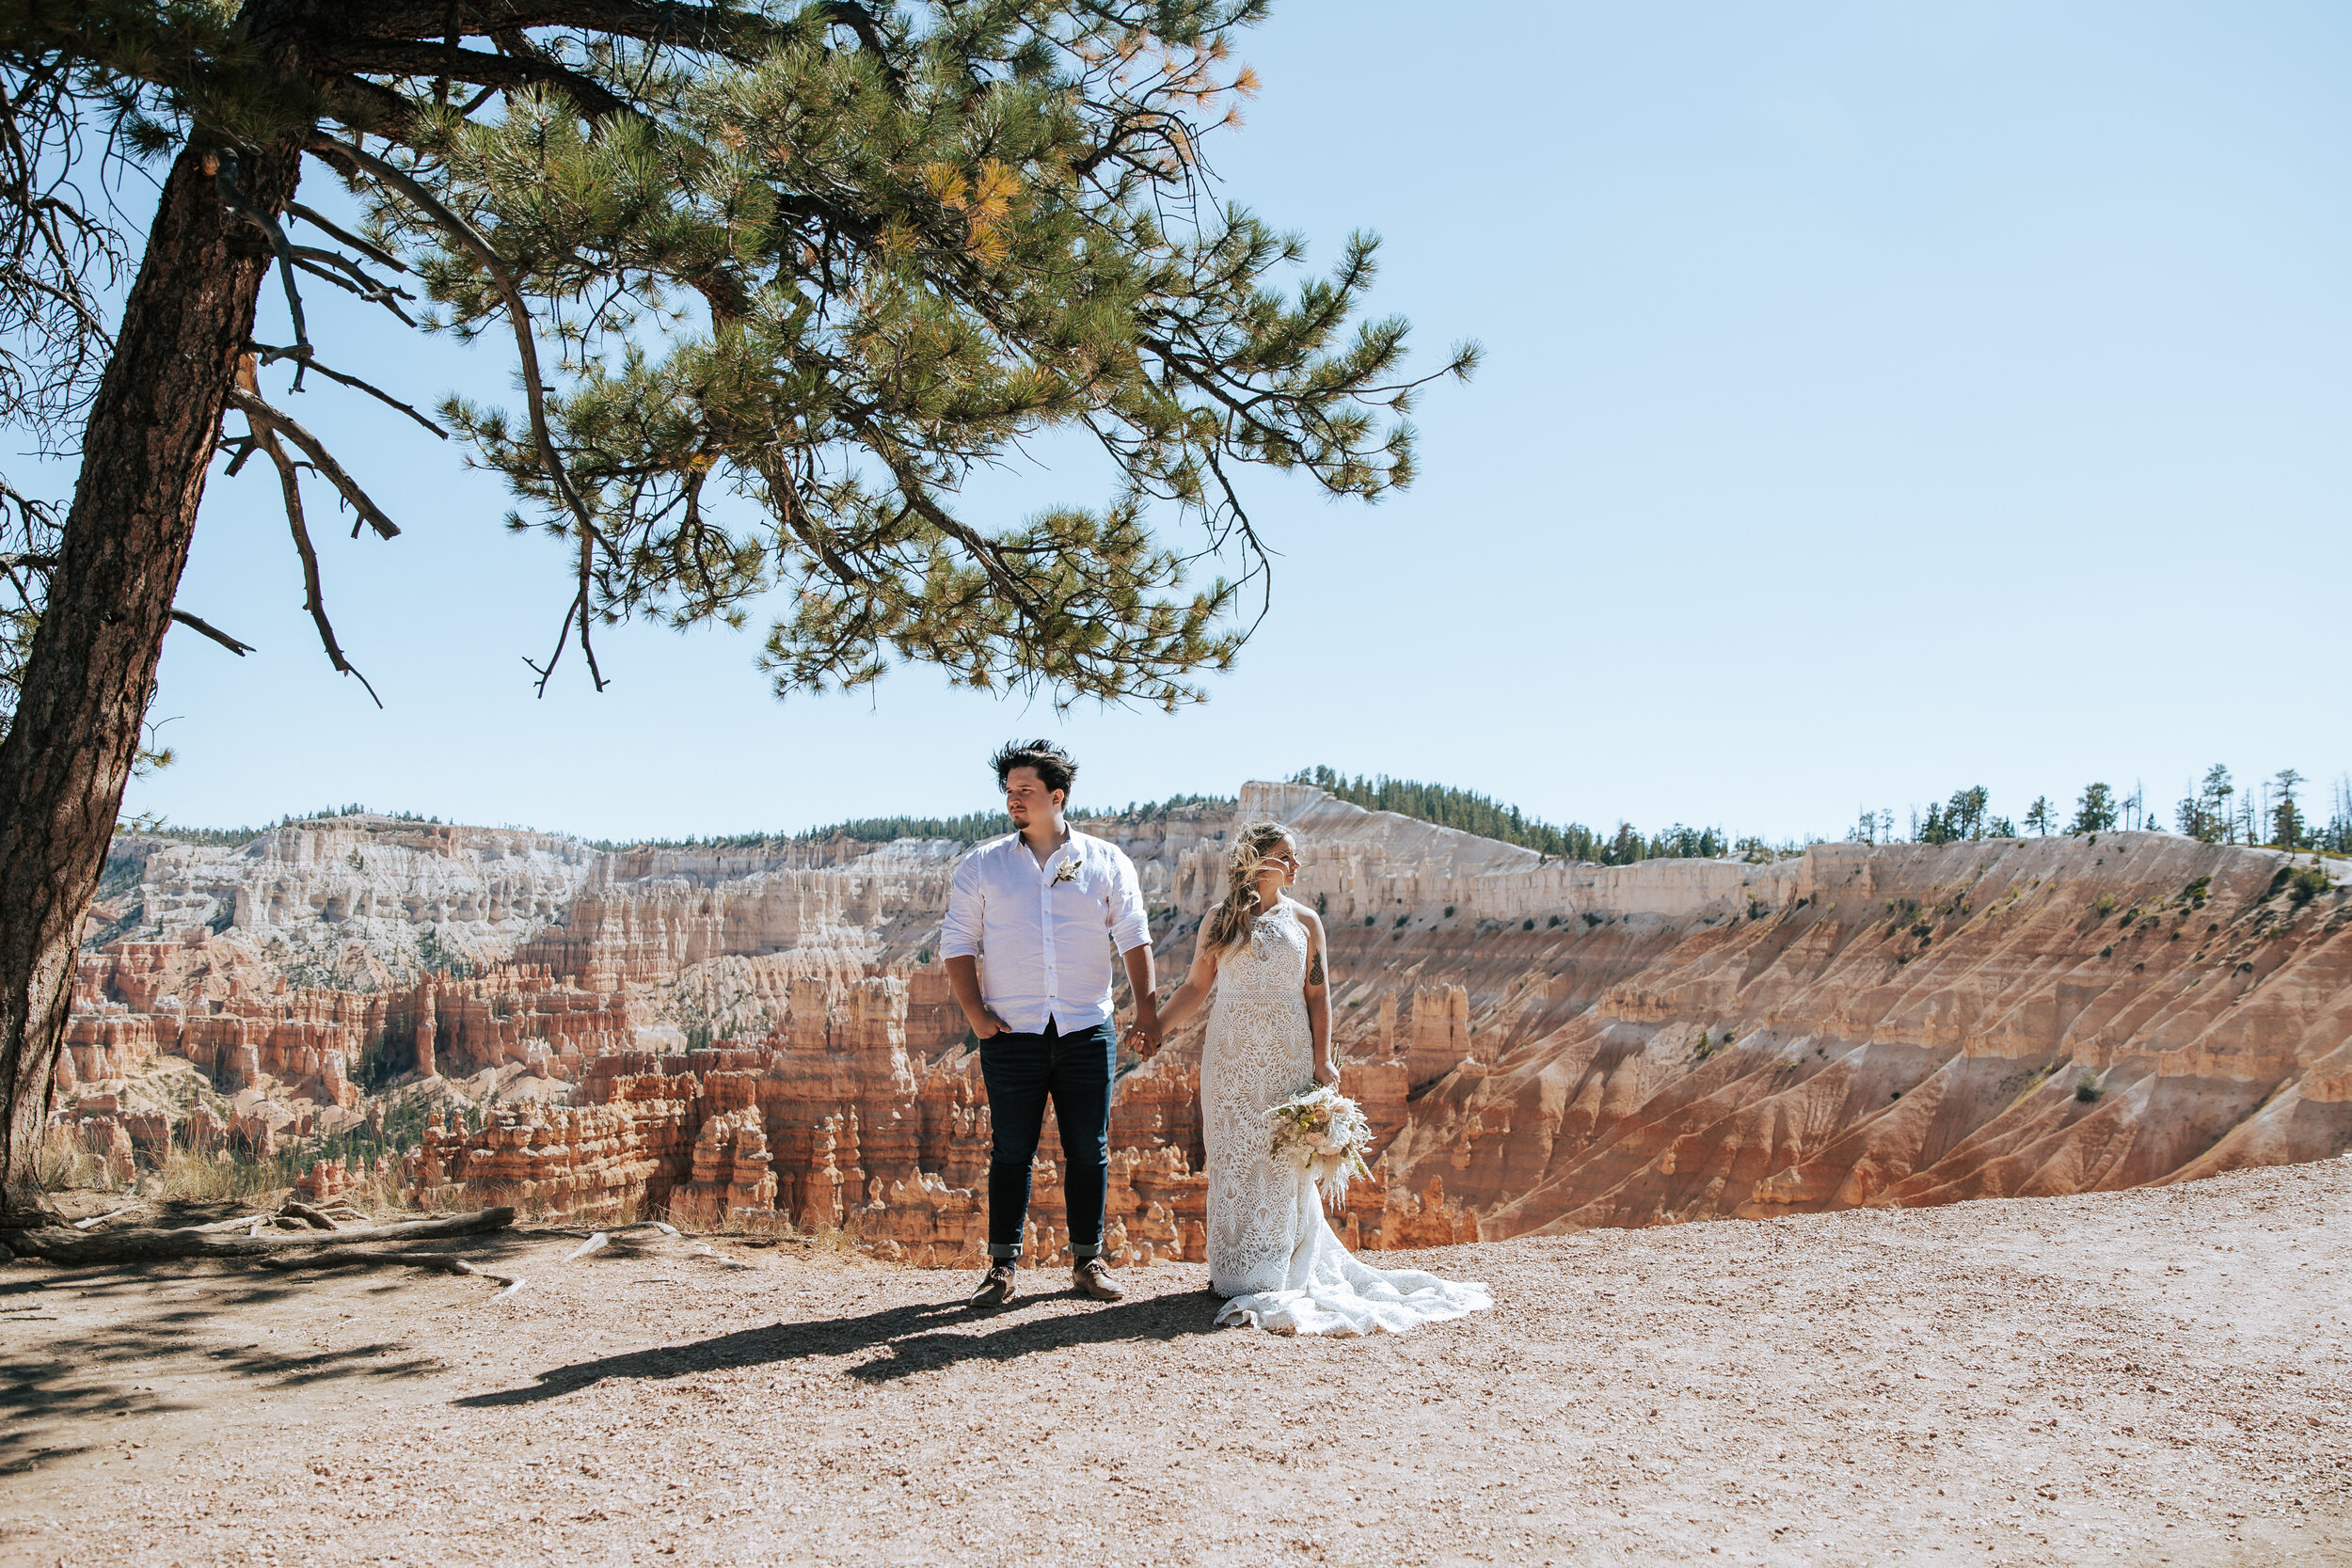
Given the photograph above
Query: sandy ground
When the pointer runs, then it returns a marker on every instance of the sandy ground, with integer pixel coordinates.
(2155, 1377)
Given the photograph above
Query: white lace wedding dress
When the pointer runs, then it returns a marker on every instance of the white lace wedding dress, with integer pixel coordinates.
(1270, 1248)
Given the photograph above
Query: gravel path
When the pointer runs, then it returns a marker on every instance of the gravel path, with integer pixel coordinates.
(2136, 1378)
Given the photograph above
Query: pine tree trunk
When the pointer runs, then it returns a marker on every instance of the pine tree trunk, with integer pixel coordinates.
(76, 732)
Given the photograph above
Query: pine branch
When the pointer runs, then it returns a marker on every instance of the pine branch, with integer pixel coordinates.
(397, 57)
(727, 31)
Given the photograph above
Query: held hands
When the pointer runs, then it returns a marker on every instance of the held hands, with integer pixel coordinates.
(1326, 1074)
(1143, 1037)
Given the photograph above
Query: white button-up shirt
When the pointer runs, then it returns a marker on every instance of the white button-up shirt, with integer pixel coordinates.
(1037, 930)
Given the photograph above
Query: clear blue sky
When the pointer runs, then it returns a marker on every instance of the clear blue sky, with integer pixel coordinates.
(1879, 400)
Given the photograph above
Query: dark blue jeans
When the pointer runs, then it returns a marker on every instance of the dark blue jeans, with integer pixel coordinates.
(1022, 1071)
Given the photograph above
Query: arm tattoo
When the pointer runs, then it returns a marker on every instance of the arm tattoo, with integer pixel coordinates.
(1314, 971)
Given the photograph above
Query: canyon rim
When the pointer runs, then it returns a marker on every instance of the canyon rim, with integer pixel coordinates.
(760, 1037)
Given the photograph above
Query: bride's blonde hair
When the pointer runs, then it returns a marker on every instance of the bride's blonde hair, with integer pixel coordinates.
(1230, 921)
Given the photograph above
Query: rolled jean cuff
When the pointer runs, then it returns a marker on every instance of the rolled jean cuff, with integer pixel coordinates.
(1004, 1249)
(1081, 1251)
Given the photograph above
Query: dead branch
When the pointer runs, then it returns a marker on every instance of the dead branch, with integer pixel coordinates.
(58, 1245)
(290, 484)
(249, 403)
(305, 257)
(225, 181)
(196, 623)
(345, 264)
(615, 1237)
(242, 1222)
(352, 1257)
(268, 354)
(306, 1214)
(534, 391)
(372, 252)
(96, 1220)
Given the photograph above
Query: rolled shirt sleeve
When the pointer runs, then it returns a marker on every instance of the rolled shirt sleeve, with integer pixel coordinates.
(968, 907)
(1130, 924)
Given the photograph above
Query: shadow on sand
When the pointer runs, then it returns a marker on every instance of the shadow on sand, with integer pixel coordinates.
(167, 1326)
(911, 1339)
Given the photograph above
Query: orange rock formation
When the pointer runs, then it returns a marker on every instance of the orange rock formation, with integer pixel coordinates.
(1905, 1025)
(832, 1122)
(1541, 1045)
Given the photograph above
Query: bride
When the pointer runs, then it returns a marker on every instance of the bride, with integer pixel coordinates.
(1270, 1249)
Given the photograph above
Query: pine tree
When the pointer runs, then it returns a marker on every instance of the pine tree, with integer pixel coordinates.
(1965, 815)
(2286, 815)
(2042, 816)
(2207, 815)
(2095, 812)
(778, 278)
(2336, 837)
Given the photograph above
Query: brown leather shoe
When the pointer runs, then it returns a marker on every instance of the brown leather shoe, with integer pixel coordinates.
(997, 1289)
(1093, 1277)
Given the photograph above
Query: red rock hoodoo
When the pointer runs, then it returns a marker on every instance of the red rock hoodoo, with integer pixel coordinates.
(759, 1037)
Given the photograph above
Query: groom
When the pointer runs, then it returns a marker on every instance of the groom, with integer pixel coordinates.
(1038, 904)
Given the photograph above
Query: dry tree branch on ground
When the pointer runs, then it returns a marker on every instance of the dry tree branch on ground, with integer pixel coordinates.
(147, 1245)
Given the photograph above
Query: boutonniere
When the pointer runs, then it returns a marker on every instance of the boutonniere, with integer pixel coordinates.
(1066, 872)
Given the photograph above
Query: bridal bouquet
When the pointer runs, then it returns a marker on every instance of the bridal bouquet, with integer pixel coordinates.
(1326, 1134)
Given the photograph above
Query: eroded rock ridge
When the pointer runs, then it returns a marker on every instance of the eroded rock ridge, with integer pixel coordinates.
(763, 1038)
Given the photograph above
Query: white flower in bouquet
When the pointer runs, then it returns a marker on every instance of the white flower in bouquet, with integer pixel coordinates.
(1326, 1134)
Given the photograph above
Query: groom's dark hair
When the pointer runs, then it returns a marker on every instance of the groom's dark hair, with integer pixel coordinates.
(1055, 767)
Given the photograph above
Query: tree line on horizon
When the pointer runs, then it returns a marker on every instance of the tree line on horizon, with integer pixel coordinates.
(2269, 814)
(1473, 813)
(970, 828)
